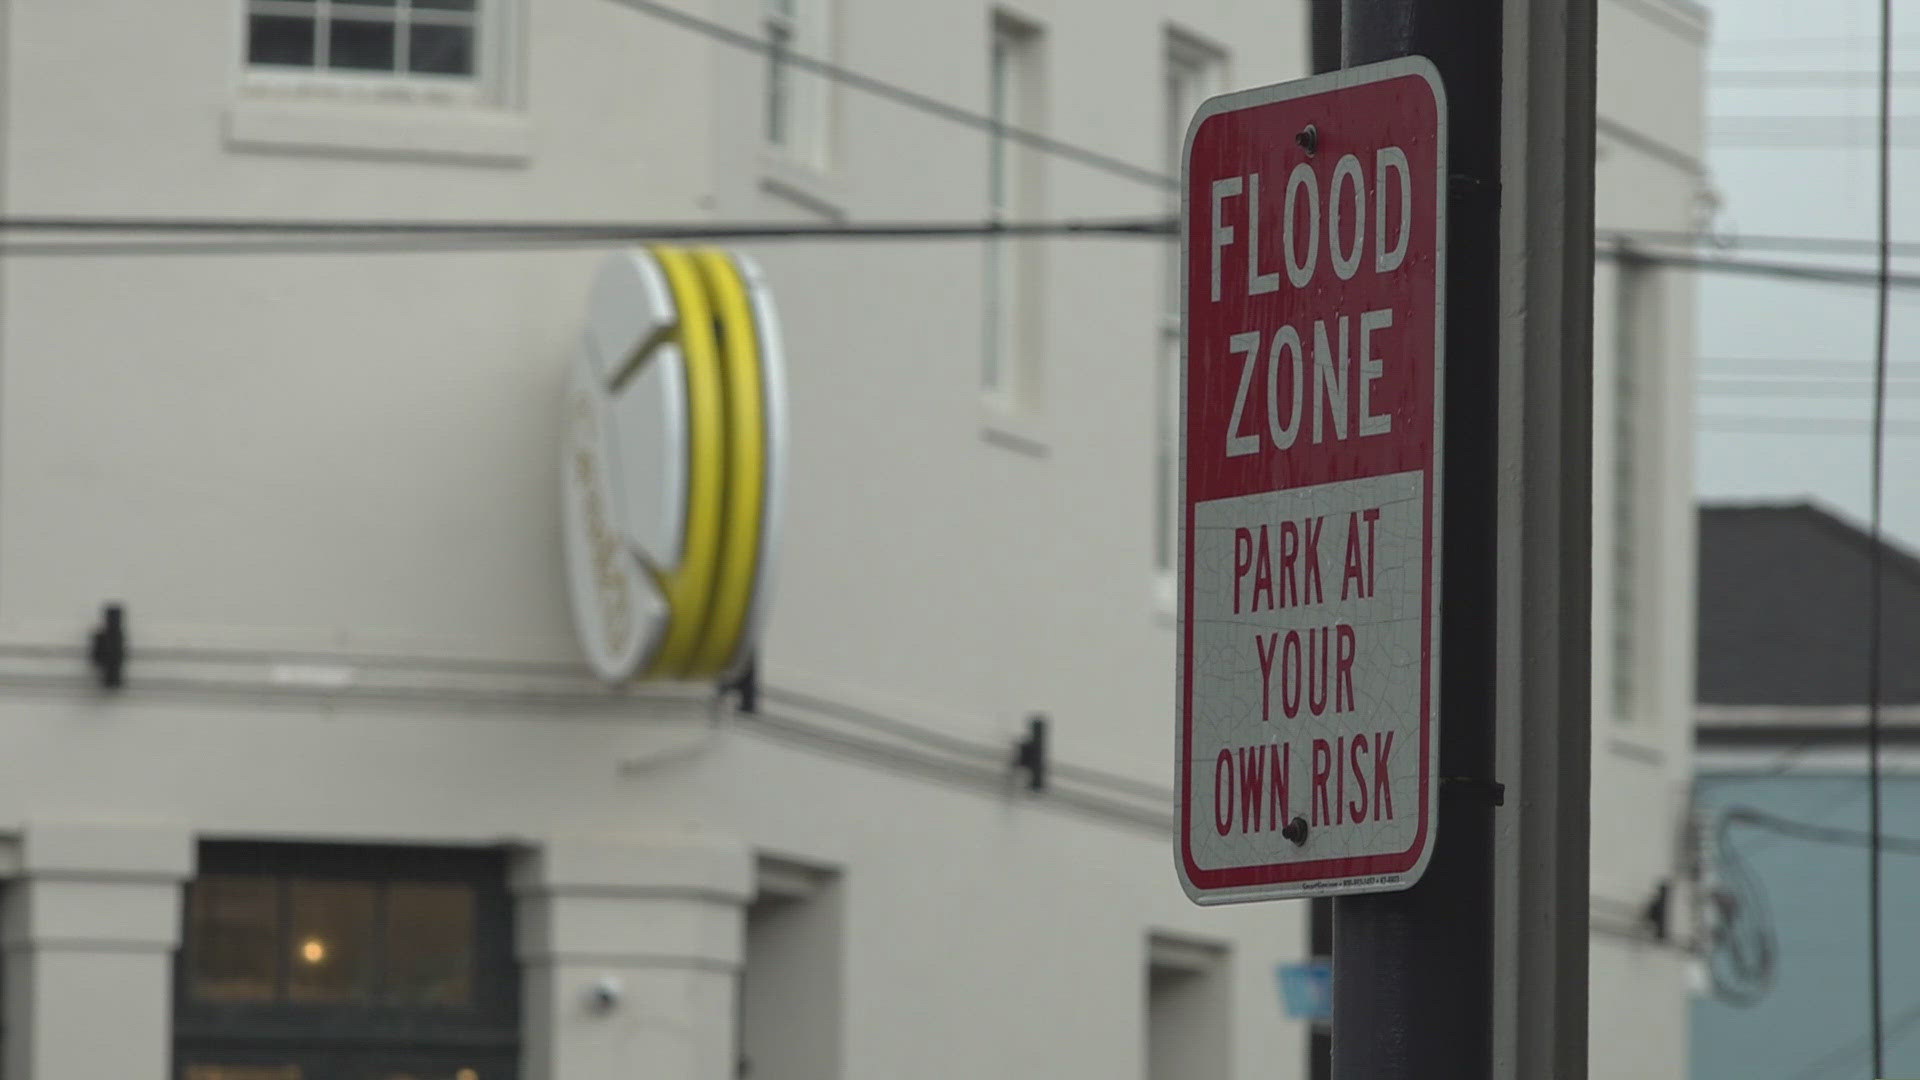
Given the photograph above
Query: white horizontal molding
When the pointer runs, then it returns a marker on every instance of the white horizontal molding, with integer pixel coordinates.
(183, 663)
(969, 751)
(381, 130)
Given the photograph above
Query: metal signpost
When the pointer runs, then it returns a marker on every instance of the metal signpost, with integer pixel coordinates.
(1314, 222)
(1479, 969)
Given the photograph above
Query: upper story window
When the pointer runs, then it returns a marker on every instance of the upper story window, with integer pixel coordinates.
(1194, 73)
(323, 962)
(1636, 440)
(1012, 285)
(431, 39)
(796, 101)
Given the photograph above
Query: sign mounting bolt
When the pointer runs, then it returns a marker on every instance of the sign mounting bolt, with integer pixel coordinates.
(1296, 831)
(1309, 139)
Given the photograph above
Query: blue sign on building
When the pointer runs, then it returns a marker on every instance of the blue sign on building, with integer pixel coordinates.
(1307, 990)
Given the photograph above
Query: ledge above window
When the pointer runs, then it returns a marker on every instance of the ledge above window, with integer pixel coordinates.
(324, 124)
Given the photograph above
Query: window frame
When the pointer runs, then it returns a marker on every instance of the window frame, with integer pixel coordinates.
(1013, 271)
(1632, 338)
(1205, 67)
(493, 83)
(806, 113)
(332, 1040)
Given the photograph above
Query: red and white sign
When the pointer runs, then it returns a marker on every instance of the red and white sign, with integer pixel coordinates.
(1314, 224)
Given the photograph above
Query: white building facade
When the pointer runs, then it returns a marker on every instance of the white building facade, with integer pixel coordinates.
(1650, 178)
(359, 810)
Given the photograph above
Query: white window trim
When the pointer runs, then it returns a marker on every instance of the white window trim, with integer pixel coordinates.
(1182, 49)
(810, 100)
(477, 120)
(1011, 405)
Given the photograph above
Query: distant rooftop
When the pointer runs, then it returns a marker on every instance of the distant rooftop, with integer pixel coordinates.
(1784, 610)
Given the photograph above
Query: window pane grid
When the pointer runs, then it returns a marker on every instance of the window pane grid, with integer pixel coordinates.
(399, 37)
(297, 940)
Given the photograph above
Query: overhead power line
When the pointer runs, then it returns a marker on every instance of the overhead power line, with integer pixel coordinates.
(569, 232)
(215, 236)
(1819, 834)
(208, 237)
(1847, 1056)
(1833, 275)
(1791, 79)
(1862, 130)
(1802, 46)
(1800, 367)
(253, 236)
(1799, 425)
(901, 95)
(1883, 236)
(1815, 387)
(1156, 225)
(1831, 245)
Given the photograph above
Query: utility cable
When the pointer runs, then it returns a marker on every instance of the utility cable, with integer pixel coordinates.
(1153, 225)
(1876, 554)
(1748, 424)
(898, 94)
(1746, 945)
(1832, 275)
(213, 236)
(1837, 1060)
(1796, 366)
(1830, 245)
(421, 238)
(1794, 828)
(1802, 46)
(224, 236)
(1806, 386)
(1800, 78)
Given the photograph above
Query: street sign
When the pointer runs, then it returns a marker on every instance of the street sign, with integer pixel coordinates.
(1313, 260)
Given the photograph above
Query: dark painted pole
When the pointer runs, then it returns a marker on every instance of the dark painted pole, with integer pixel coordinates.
(1413, 971)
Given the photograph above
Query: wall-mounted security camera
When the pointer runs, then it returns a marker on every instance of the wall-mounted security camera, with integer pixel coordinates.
(605, 994)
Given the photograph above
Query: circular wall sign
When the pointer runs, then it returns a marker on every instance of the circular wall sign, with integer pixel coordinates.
(671, 464)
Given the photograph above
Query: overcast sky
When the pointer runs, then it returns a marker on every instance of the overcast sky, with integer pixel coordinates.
(1779, 359)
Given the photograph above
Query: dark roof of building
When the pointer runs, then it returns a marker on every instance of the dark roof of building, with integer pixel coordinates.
(1784, 609)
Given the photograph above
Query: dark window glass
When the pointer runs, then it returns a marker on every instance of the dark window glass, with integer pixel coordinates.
(235, 931)
(203, 1071)
(435, 1072)
(331, 941)
(429, 944)
(440, 50)
(360, 45)
(445, 5)
(280, 39)
(337, 962)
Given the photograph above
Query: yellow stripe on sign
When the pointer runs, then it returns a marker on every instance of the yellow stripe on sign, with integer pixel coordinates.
(746, 462)
(689, 587)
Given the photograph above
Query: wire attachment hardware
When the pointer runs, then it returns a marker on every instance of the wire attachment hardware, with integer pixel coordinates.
(107, 651)
(1030, 753)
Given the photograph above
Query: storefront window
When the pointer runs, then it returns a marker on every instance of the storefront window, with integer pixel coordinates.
(321, 962)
